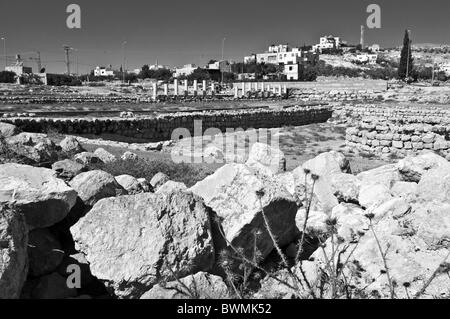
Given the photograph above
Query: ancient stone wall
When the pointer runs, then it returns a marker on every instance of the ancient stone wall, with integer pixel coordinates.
(384, 129)
(160, 128)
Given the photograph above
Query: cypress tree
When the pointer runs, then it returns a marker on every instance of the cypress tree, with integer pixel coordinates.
(406, 60)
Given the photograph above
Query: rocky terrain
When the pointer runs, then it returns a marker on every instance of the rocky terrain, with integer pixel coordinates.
(249, 230)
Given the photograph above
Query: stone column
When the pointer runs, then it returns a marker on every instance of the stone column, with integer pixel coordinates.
(155, 90)
(243, 88)
(195, 87)
(285, 89)
(236, 91)
(186, 85)
(262, 86)
(204, 86)
(279, 89)
(166, 89)
(175, 87)
(212, 89)
(256, 86)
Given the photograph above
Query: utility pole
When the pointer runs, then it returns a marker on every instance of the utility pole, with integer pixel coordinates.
(37, 59)
(124, 61)
(4, 51)
(67, 49)
(39, 63)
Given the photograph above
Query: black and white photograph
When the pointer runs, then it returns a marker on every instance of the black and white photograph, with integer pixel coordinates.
(224, 157)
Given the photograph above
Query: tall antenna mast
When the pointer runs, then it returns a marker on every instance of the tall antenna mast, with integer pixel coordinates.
(67, 49)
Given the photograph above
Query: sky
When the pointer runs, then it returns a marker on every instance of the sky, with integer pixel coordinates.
(177, 32)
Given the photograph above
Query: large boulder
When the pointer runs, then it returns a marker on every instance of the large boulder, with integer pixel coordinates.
(386, 175)
(396, 207)
(434, 186)
(70, 145)
(199, 286)
(36, 147)
(239, 196)
(305, 181)
(350, 221)
(158, 180)
(44, 252)
(269, 159)
(412, 168)
(8, 130)
(37, 193)
(328, 163)
(94, 185)
(318, 172)
(345, 187)
(105, 156)
(130, 184)
(373, 194)
(431, 223)
(409, 261)
(147, 239)
(406, 190)
(68, 169)
(87, 158)
(13, 252)
(171, 186)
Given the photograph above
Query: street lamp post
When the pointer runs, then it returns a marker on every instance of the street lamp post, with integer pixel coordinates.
(4, 51)
(124, 60)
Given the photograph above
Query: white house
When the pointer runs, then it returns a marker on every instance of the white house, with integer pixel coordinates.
(185, 70)
(328, 42)
(374, 48)
(223, 66)
(158, 67)
(366, 58)
(291, 71)
(102, 71)
(250, 59)
(278, 54)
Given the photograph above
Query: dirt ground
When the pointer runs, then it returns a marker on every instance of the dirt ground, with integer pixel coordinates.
(299, 144)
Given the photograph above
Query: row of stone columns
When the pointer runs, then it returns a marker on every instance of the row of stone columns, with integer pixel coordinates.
(262, 87)
(176, 86)
(245, 87)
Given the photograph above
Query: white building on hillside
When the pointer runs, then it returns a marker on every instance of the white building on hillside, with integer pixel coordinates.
(158, 67)
(223, 66)
(279, 54)
(291, 71)
(328, 42)
(374, 48)
(185, 70)
(102, 71)
(366, 58)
